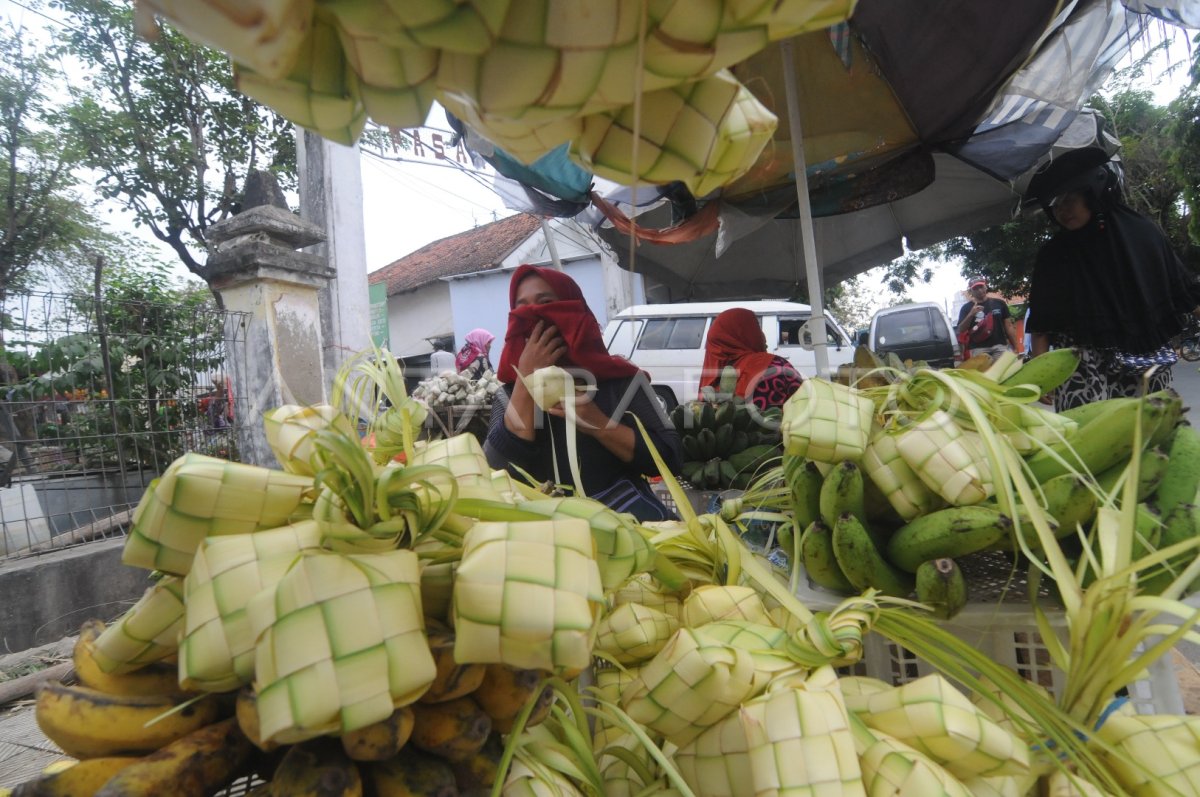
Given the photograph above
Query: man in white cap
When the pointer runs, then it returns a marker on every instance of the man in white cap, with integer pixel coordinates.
(985, 322)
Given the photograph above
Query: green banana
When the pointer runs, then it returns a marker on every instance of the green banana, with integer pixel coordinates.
(724, 414)
(820, 563)
(941, 586)
(750, 459)
(677, 418)
(1102, 443)
(1183, 523)
(1152, 466)
(804, 482)
(953, 532)
(1070, 501)
(741, 441)
(724, 437)
(1165, 430)
(706, 442)
(743, 418)
(1086, 413)
(1182, 477)
(712, 473)
(841, 492)
(1046, 371)
(690, 446)
(692, 471)
(785, 538)
(862, 563)
(728, 473)
(708, 416)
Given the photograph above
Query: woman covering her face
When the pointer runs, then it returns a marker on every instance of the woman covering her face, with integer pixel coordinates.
(1107, 284)
(472, 360)
(551, 324)
(736, 339)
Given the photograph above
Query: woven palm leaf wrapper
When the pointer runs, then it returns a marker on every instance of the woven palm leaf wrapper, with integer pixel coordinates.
(463, 456)
(891, 767)
(633, 633)
(793, 740)
(341, 644)
(216, 649)
(649, 592)
(200, 496)
(1167, 745)
(527, 594)
(826, 422)
(147, 632)
(290, 430)
(711, 602)
(693, 682)
(948, 459)
(932, 716)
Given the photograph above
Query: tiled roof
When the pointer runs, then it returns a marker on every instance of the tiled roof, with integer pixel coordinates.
(480, 249)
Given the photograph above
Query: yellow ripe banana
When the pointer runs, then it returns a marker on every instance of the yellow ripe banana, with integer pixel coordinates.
(74, 779)
(504, 692)
(411, 774)
(317, 768)
(194, 766)
(453, 680)
(380, 740)
(454, 730)
(86, 723)
(246, 712)
(153, 679)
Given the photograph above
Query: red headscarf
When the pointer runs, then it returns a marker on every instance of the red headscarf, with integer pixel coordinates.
(736, 338)
(579, 329)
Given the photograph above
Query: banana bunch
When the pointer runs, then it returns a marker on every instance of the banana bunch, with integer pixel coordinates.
(726, 441)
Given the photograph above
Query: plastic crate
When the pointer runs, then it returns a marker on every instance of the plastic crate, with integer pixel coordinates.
(999, 623)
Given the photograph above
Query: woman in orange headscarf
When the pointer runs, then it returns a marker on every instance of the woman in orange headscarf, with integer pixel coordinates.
(736, 339)
(551, 324)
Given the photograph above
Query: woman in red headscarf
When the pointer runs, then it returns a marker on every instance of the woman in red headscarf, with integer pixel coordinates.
(551, 324)
(736, 339)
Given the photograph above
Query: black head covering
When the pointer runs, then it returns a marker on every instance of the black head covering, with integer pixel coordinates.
(1114, 283)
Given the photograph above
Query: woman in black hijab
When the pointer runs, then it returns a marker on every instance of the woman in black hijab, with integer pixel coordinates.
(1107, 284)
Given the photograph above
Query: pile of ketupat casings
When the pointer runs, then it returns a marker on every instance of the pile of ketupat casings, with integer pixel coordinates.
(638, 92)
(418, 628)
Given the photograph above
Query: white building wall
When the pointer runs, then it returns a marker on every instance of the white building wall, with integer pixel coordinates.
(416, 315)
(459, 304)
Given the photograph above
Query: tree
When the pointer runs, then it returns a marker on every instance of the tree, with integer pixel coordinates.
(162, 125)
(42, 220)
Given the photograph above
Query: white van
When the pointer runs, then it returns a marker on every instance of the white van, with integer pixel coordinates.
(667, 340)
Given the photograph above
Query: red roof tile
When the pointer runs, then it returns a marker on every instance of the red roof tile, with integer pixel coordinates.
(480, 249)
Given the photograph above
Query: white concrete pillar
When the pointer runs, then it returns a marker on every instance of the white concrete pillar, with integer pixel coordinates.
(254, 266)
(331, 198)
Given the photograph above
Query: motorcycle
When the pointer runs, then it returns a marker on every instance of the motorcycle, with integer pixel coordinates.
(1187, 342)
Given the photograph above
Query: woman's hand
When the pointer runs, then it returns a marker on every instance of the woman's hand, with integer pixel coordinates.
(544, 348)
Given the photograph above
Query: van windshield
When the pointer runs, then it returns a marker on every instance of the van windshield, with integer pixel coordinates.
(908, 326)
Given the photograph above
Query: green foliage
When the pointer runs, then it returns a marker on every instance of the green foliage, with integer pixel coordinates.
(42, 220)
(162, 125)
(161, 339)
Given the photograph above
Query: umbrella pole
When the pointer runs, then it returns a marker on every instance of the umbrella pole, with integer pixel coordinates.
(551, 245)
(812, 269)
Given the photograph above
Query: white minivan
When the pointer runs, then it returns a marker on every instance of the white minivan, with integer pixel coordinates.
(667, 340)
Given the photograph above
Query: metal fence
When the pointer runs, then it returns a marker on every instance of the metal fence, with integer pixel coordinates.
(98, 398)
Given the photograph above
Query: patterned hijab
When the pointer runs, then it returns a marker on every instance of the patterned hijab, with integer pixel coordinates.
(478, 343)
(579, 329)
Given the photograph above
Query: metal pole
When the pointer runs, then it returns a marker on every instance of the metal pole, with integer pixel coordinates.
(812, 268)
(553, 247)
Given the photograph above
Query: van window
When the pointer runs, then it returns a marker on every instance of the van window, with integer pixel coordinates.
(621, 342)
(673, 333)
(908, 326)
(790, 334)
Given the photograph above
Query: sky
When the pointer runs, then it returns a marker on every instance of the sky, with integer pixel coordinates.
(414, 200)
